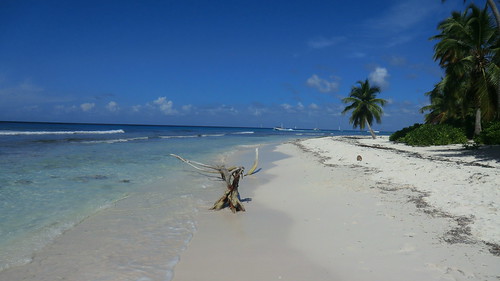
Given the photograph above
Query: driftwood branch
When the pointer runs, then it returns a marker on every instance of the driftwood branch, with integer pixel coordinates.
(231, 197)
(231, 176)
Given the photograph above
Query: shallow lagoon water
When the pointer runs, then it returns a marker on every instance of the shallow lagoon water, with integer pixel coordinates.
(109, 196)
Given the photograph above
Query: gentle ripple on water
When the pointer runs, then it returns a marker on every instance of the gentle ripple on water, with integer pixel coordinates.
(126, 207)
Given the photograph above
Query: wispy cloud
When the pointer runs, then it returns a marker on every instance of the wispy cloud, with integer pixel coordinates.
(63, 109)
(313, 106)
(357, 55)
(323, 85)
(221, 109)
(396, 60)
(112, 106)
(187, 107)
(404, 15)
(87, 106)
(322, 42)
(398, 40)
(25, 91)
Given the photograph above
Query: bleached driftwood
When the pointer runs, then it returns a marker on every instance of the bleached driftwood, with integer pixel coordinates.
(231, 176)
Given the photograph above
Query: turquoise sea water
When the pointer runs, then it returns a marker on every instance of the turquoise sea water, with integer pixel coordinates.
(54, 177)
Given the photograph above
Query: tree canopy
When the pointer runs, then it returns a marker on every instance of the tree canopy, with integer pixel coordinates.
(468, 51)
(365, 105)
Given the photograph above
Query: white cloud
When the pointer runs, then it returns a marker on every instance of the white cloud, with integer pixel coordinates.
(313, 106)
(112, 106)
(322, 85)
(165, 106)
(187, 107)
(300, 106)
(379, 77)
(293, 109)
(87, 106)
(136, 108)
(65, 109)
(286, 106)
(322, 42)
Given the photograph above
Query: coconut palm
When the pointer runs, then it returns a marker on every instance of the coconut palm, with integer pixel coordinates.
(494, 9)
(364, 105)
(439, 111)
(468, 51)
(496, 13)
(447, 106)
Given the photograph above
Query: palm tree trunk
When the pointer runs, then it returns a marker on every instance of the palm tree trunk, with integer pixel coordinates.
(370, 128)
(477, 125)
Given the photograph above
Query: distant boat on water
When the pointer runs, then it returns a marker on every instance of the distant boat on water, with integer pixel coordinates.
(281, 128)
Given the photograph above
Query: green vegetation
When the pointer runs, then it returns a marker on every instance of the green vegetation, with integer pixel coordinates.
(399, 135)
(364, 105)
(490, 134)
(468, 51)
(429, 134)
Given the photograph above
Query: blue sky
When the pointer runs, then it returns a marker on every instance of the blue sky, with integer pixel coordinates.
(229, 63)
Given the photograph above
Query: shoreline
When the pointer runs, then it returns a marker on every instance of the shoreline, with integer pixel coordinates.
(319, 214)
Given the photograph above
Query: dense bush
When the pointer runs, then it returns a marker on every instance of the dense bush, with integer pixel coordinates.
(429, 134)
(396, 136)
(490, 134)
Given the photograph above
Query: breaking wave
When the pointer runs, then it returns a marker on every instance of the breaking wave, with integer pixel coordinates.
(24, 133)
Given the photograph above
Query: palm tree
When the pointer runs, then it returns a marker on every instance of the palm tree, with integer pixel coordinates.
(494, 10)
(446, 106)
(364, 105)
(468, 51)
(439, 110)
(496, 13)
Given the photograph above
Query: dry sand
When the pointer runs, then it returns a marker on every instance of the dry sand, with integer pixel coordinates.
(316, 213)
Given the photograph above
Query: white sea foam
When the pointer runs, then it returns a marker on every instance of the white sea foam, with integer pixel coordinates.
(21, 133)
(192, 136)
(179, 137)
(115, 140)
(243, 133)
(213, 135)
(249, 145)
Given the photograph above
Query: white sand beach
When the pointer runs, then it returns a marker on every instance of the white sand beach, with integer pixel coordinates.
(317, 213)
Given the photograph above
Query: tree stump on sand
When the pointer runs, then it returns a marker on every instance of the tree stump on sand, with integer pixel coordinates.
(231, 176)
(231, 197)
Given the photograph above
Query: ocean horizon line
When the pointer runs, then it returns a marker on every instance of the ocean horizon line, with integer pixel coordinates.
(171, 125)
